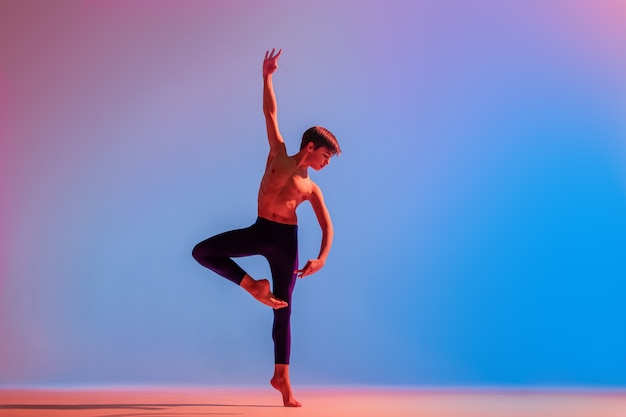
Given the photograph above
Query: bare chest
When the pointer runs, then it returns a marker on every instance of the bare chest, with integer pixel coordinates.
(285, 185)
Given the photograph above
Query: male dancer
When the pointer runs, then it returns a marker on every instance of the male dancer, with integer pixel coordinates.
(285, 184)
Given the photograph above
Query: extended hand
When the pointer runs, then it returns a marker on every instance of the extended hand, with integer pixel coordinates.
(270, 63)
(311, 267)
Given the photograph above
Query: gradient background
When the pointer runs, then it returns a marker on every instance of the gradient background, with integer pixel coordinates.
(479, 205)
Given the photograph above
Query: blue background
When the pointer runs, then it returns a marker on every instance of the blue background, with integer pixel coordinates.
(479, 205)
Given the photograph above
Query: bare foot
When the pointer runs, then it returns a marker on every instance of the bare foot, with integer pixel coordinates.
(284, 387)
(261, 291)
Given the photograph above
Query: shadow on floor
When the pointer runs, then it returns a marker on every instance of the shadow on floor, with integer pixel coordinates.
(143, 407)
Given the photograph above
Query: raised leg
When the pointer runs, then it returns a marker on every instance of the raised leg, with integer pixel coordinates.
(216, 252)
(261, 291)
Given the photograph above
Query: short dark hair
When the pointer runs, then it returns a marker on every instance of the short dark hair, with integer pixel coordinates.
(320, 137)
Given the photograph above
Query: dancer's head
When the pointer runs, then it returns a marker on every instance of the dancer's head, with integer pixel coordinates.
(320, 136)
(320, 145)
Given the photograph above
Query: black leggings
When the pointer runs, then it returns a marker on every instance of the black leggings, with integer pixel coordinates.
(278, 243)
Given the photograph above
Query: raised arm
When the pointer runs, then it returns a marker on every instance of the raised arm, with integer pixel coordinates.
(270, 64)
(323, 218)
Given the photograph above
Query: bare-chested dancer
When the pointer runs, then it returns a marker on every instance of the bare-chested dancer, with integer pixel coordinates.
(284, 186)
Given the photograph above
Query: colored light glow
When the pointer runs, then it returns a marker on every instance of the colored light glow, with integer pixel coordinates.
(478, 203)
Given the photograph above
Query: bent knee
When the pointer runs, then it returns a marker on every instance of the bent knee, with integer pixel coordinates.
(198, 253)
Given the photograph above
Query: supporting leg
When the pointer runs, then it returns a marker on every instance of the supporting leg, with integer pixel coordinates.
(281, 382)
(284, 279)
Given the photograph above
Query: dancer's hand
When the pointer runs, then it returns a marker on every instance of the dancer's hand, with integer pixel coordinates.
(311, 267)
(270, 63)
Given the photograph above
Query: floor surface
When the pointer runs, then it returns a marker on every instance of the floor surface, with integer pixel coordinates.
(327, 402)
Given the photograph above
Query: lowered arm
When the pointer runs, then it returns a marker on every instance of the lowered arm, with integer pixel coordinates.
(323, 218)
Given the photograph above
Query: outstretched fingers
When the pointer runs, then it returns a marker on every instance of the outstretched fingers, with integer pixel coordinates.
(270, 63)
(270, 55)
(311, 267)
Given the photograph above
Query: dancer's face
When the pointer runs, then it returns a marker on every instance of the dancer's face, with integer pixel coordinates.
(319, 158)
